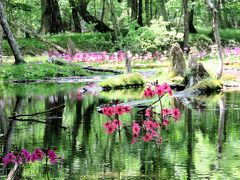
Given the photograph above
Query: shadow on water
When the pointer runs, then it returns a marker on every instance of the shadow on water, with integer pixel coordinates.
(204, 143)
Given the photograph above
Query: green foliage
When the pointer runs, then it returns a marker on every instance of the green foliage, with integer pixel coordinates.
(152, 38)
(123, 81)
(36, 71)
(200, 40)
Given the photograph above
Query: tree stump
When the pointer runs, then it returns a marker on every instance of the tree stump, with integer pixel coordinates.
(71, 49)
(194, 75)
(178, 65)
(128, 63)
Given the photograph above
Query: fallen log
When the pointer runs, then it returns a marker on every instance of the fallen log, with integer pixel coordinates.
(90, 68)
(57, 47)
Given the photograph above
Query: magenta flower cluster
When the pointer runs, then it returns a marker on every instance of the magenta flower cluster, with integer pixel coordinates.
(114, 124)
(26, 157)
(150, 128)
(103, 57)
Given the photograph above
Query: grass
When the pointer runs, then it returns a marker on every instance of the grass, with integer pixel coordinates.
(84, 41)
(123, 81)
(225, 34)
(34, 71)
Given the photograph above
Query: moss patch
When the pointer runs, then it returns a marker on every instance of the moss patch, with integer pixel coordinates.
(123, 81)
(36, 71)
(207, 86)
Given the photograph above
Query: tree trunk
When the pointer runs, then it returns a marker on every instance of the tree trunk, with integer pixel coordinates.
(75, 16)
(186, 23)
(134, 7)
(151, 9)
(1, 45)
(11, 40)
(103, 10)
(215, 26)
(163, 10)
(140, 19)
(87, 17)
(51, 17)
(192, 29)
(147, 11)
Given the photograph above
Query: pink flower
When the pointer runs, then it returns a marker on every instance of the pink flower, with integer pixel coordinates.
(154, 133)
(119, 110)
(175, 113)
(148, 113)
(149, 124)
(19, 161)
(26, 154)
(148, 92)
(166, 111)
(110, 128)
(52, 156)
(127, 109)
(159, 90)
(37, 155)
(108, 111)
(165, 122)
(148, 137)
(117, 123)
(136, 128)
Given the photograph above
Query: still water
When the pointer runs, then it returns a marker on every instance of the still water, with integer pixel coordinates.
(203, 144)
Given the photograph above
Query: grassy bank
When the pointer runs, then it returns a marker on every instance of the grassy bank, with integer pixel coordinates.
(94, 41)
(34, 71)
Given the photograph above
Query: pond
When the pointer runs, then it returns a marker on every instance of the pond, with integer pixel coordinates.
(204, 143)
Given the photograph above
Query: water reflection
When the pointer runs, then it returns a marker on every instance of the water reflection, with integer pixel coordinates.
(203, 144)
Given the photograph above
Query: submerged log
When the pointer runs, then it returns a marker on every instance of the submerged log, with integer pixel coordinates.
(90, 68)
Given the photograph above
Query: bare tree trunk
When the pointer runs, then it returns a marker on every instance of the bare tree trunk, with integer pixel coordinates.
(186, 23)
(87, 17)
(215, 26)
(1, 45)
(140, 19)
(75, 16)
(11, 40)
(147, 11)
(151, 9)
(113, 17)
(134, 7)
(163, 10)
(192, 29)
(51, 17)
(103, 9)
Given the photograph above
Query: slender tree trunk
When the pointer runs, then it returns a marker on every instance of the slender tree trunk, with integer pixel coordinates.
(75, 16)
(103, 9)
(51, 17)
(11, 40)
(134, 7)
(163, 10)
(87, 17)
(1, 45)
(113, 17)
(151, 9)
(140, 19)
(147, 11)
(215, 26)
(192, 29)
(186, 23)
